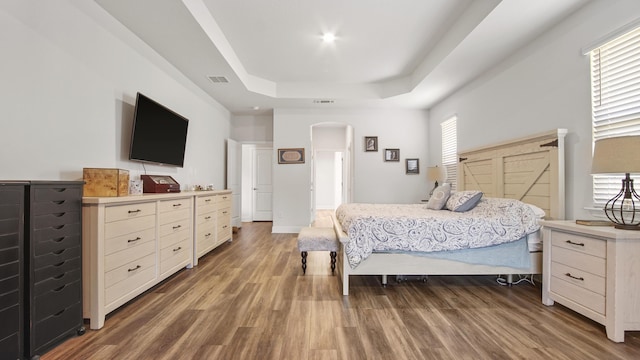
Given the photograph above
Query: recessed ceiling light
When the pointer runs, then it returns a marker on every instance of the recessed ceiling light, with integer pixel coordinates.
(328, 37)
(256, 108)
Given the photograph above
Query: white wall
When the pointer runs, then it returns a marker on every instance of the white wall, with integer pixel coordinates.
(70, 74)
(373, 179)
(255, 129)
(543, 86)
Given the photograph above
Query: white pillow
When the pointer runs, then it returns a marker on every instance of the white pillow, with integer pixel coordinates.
(462, 201)
(439, 197)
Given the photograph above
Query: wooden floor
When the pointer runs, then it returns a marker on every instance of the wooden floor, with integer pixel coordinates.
(248, 299)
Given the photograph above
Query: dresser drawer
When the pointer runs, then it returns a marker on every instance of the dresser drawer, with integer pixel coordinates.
(175, 215)
(131, 270)
(206, 219)
(57, 269)
(63, 322)
(173, 205)
(52, 233)
(52, 245)
(56, 219)
(10, 255)
(124, 257)
(173, 227)
(57, 282)
(580, 243)
(131, 226)
(129, 211)
(123, 280)
(129, 241)
(588, 263)
(55, 199)
(206, 232)
(174, 255)
(206, 203)
(10, 320)
(8, 270)
(224, 201)
(9, 291)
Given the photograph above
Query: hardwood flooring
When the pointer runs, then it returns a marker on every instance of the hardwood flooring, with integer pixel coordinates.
(248, 299)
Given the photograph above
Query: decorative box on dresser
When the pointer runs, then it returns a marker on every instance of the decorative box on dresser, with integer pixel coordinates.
(595, 271)
(11, 269)
(132, 243)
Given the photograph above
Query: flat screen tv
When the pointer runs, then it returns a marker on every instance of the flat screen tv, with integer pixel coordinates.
(159, 134)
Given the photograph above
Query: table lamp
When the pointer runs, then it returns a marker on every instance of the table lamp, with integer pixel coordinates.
(620, 155)
(435, 174)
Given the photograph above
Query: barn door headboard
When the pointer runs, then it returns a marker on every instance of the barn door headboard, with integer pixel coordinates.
(529, 169)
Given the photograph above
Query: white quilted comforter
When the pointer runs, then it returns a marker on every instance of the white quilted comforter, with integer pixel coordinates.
(409, 227)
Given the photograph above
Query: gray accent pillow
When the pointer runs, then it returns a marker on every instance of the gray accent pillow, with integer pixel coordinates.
(462, 201)
(439, 197)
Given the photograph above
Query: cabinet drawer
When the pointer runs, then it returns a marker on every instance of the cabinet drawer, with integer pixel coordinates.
(205, 232)
(9, 255)
(124, 257)
(57, 269)
(9, 318)
(579, 278)
(579, 243)
(129, 241)
(224, 213)
(224, 200)
(131, 270)
(10, 231)
(174, 238)
(55, 199)
(57, 282)
(52, 245)
(578, 294)
(9, 269)
(62, 322)
(56, 219)
(588, 263)
(206, 203)
(173, 216)
(52, 233)
(131, 226)
(130, 211)
(56, 257)
(9, 291)
(173, 227)
(172, 205)
(57, 299)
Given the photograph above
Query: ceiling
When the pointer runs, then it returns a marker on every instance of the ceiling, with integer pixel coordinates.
(263, 55)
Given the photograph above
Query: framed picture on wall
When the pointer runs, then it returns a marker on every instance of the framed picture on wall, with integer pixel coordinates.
(370, 143)
(291, 156)
(413, 166)
(391, 154)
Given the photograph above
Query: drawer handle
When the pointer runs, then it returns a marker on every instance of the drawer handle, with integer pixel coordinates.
(59, 251)
(225, 212)
(178, 249)
(59, 239)
(58, 227)
(59, 202)
(59, 189)
(177, 205)
(224, 227)
(207, 234)
(574, 243)
(574, 277)
(60, 288)
(207, 200)
(59, 312)
(177, 227)
(59, 214)
(207, 217)
(134, 211)
(59, 264)
(134, 240)
(135, 268)
(60, 276)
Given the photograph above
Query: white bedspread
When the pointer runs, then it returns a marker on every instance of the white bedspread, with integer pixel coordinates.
(409, 227)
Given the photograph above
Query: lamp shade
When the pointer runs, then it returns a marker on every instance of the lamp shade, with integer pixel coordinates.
(436, 173)
(616, 155)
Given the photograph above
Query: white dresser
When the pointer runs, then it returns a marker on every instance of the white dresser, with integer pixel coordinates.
(595, 271)
(131, 243)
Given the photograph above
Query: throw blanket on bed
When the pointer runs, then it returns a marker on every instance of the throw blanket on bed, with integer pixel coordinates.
(386, 227)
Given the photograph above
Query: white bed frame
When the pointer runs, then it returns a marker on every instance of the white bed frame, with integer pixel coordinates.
(529, 169)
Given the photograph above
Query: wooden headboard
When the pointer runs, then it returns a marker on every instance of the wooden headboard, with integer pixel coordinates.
(529, 169)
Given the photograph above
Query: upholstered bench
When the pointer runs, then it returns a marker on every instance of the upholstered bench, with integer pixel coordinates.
(317, 239)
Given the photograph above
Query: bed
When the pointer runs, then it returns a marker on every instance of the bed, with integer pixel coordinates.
(529, 169)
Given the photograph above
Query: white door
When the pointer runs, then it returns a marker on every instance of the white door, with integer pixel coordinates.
(234, 171)
(262, 185)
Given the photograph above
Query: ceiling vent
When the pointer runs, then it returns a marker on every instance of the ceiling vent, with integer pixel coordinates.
(323, 101)
(218, 79)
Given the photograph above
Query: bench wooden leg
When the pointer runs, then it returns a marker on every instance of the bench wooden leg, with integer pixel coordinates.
(333, 262)
(304, 262)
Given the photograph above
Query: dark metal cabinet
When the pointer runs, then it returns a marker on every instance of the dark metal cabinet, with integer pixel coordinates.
(11, 269)
(54, 264)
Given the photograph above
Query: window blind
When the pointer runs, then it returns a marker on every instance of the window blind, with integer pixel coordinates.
(450, 150)
(615, 99)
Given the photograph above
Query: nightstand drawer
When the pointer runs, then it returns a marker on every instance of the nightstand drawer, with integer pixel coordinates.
(580, 243)
(579, 295)
(589, 263)
(579, 278)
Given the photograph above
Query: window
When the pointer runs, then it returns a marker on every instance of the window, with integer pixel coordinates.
(615, 99)
(450, 150)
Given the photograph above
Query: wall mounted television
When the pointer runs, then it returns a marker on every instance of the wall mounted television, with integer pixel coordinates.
(159, 134)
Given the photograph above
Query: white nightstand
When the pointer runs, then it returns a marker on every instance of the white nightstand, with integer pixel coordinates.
(595, 271)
